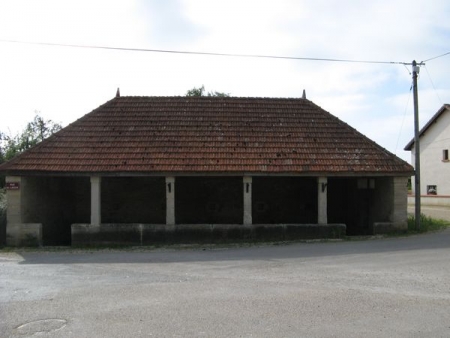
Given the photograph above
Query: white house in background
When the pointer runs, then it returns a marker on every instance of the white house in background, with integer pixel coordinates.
(434, 154)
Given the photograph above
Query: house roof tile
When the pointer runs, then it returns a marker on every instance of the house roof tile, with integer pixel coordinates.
(208, 135)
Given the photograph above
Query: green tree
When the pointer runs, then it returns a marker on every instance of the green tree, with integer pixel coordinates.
(202, 92)
(10, 146)
(35, 132)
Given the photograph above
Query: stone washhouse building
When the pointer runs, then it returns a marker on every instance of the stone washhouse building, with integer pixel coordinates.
(142, 170)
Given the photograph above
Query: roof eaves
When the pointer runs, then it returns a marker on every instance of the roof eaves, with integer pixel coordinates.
(5, 167)
(445, 107)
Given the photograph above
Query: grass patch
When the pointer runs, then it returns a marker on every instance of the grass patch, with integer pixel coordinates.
(426, 224)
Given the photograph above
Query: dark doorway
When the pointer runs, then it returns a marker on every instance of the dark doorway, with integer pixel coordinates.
(278, 200)
(133, 200)
(57, 203)
(351, 201)
(208, 200)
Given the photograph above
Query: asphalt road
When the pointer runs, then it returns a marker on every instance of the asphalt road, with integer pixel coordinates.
(396, 287)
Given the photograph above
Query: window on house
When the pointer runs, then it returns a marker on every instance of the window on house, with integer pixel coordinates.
(431, 190)
(445, 155)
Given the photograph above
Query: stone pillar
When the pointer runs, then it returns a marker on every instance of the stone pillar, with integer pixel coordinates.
(247, 200)
(14, 198)
(170, 200)
(96, 204)
(399, 215)
(17, 232)
(322, 193)
(14, 211)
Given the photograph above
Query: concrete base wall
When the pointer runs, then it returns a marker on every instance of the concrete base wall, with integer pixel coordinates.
(442, 201)
(149, 234)
(380, 228)
(24, 234)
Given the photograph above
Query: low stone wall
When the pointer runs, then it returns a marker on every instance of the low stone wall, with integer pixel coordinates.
(24, 234)
(436, 200)
(149, 234)
(380, 228)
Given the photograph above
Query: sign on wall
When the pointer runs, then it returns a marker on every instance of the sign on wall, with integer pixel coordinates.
(12, 185)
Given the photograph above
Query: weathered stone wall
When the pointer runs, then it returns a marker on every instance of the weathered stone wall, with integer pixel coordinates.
(14, 200)
(24, 234)
(19, 233)
(151, 234)
(383, 205)
(391, 205)
(400, 212)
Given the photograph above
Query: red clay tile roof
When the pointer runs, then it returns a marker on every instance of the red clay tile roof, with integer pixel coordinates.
(214, 135)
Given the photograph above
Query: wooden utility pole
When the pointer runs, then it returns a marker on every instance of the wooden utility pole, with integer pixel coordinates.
(415, 72)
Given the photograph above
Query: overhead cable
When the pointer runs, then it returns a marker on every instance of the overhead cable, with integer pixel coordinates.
(436, 57)
(205, 53)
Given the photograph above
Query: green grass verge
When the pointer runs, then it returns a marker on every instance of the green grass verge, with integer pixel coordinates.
(426, 224)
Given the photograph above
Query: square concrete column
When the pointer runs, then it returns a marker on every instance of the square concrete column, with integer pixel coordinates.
(399, 214)
(247, 200)
(170, 200)
(19, 233)
(96, 205)
(322, 193)
(14, 198)
(14, 211)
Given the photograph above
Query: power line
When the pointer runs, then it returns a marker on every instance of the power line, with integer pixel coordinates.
(432, 83)
(206, 53)
(403, 120)
(436, 57)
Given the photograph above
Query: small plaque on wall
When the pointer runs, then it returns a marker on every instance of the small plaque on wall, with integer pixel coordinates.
(12, 185)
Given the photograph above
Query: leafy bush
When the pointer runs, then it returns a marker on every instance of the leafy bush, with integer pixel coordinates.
(426, 224)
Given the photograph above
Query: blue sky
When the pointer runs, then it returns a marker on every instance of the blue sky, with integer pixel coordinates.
(63, 84)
